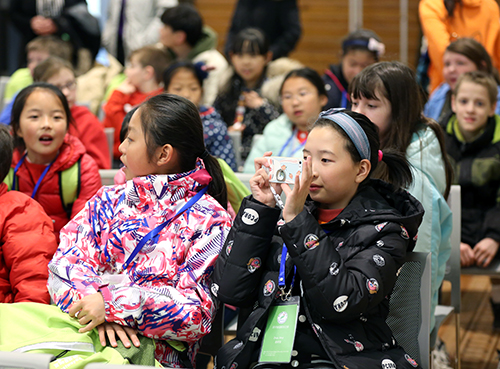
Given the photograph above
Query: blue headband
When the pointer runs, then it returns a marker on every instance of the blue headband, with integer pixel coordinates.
(352, 128)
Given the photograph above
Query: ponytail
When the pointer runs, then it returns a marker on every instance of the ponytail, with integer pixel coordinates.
(393, 166)
(217, 187)
(174, 120)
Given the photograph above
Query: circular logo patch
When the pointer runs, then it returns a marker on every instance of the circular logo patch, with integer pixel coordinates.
(282, 317)
(269, 287)
(380, 226)
(311, 241)
(334, 269)
(388, 364)
(250, 216)
(340, 303)
(372, 286)
(215, 289)
(404, 233)
(253, 264)
(380, 243)
(229, 247)
(379, 260)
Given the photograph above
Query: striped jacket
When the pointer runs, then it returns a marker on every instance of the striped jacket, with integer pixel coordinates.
(164, 293)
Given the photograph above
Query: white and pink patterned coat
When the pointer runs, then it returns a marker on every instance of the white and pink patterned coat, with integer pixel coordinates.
(165, 291)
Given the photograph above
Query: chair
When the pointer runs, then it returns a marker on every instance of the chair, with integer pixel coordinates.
(108, 176)
(3, 84)
(236, 138)
(245, 178)
(24, 360)
(452, 274)
(110, 135)
(410, 308)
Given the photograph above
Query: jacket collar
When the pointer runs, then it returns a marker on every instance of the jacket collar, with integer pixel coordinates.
(145, 192)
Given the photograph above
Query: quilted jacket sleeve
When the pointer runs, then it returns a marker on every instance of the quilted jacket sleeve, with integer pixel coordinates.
(27, 244)
(341, 290)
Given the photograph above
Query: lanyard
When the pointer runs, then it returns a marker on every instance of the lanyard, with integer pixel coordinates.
(292, 150)
(35, 190)
(345, 96)
(285, 296)
(154, 233)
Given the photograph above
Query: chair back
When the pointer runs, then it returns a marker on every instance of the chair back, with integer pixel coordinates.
(453, 268)
(410, 307)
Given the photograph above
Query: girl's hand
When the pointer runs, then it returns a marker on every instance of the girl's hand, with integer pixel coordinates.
(125, 334)
(466, 255)
(253, 100)
(259, 183)
(296, 198)
(484, 251)
(90, 311)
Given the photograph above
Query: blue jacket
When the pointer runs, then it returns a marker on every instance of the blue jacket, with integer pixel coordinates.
(436, 102)
(429, 184)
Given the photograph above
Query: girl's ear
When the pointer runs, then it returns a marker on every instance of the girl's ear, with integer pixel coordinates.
(164, 155)
(363, 171)
(150, 71)
(323, 99)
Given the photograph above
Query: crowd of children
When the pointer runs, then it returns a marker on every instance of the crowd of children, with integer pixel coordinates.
(155, 254)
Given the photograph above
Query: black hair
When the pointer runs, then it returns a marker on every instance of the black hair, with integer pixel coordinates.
(174, 120)
(125, 123)
(398, 84)
(172, 70)
(250, 41)
(20, 101)
(450, 6)
(360, 40)
(6, 149)
(184, 17)
(309, 74)
(398, 168)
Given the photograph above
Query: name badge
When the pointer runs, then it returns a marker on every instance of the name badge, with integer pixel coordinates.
(279, 335)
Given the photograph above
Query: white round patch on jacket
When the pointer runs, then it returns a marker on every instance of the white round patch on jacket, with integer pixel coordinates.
(250, 216)
(379, 260)
(388, 364)
(340, 303)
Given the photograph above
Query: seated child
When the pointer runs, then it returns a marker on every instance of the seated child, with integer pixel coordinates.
(473, 144)
(49, 164)
(462, 55)
(27, 240)
(133, 261)
(303, 96)
(87, 127)
(332, 254)
(144, 75)
(360, 49)
(37, 50)
(240, 101)
(186, 80)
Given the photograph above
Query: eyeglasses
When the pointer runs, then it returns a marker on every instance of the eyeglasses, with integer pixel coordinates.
(70, 86)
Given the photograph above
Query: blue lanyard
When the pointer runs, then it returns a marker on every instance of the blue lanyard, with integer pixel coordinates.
(35, 190)
(343, 103)
(285, 296)
(293, 151)
(154, 233)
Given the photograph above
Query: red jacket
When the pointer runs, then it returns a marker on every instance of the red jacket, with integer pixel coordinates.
(48, 192)
(118, 105)
(91, 132)
(27, 243)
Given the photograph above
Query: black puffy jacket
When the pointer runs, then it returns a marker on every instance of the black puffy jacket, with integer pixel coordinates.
(346, 276)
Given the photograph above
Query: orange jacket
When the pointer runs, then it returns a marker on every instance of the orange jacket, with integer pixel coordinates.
(118, 105)
(90, 132)
(27, 243)
(478, 19)
(48, 193)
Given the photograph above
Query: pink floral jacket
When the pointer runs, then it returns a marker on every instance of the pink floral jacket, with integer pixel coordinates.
(164, 292)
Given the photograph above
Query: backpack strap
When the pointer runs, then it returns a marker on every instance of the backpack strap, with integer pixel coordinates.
(9, 180)
(69, 186)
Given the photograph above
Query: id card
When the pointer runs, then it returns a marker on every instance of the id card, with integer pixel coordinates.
(279, 335)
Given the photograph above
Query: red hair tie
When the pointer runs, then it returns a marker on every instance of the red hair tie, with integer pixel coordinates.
(380, 155)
